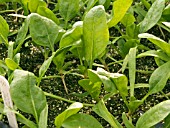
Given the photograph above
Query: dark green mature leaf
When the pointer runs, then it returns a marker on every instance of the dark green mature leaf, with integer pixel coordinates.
(120, 8)
(73, 109)
(92, 88)
(95, 33)
(102, 111)
(133, 105)
(157, 41)
(152, 16)
(46, 12)
(43, 31)
(34, 4)
(4, 30)
(158, 54)
(159, 78)
(81, 121)
(166, 13)
(30, 98)
(167, 122)
(68, 8)
(127, 123)
(128, 19)
(154, 115)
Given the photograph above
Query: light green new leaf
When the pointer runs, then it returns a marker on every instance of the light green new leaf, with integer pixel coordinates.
(30, 98)
(158, 54)
(44, 31)
(81, 121)
(4, 30)
(46, 12)
(73, 35)
(68, 8)
(154, 115)
(152, 16)
(132, 69)
(43, 118)
(102, 111)
(34, 4)
(128, 19)
(159, 78)
(95, 33)
(157, 41)
(12, 65)
(127, 123)
(73, 109)
(92, 88)
(120, 8)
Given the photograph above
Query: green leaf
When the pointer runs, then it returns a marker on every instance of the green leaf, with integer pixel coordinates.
(109, 86)
(81, 121)
(95, 33)
(159, 78)
(166, 13)
(34, 4)
(90, 4)
(4, 31)
(12, 65)
(158, 54)
(92, 88)
(166, 24)
(154, 115)
(102, 111)
(127, 123)
(132, 69)
(44, 31)
(73, 35)
(157, 41)
(73, 109)
(128, 19)
(68, 8)
(43, 118)
(134, 104)
(120, 8)
(30, 98)
(46, 12)
(152, 16)
(167, 122)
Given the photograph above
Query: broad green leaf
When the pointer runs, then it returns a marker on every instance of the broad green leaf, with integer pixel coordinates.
(73, 109)
(128, 19)
(90, 4)
(159, 78)
(109, 86)
(92, 88)
(46, 12)
(167, 122)
(167, 24)
(102, 111)
(132, 31)
(44, 31)
(34, 4)
(127, 123)
(132, 69)
(120, 8)
(43, 118)
(4, 31)
(95, 33)
(152, 16)
(21, 35)
(68, 8)
(73, 35)
(158, 54)
(12, 65)
(81, 121)
(133, 105)
(157, 41)
(154, 115)
(30, 98)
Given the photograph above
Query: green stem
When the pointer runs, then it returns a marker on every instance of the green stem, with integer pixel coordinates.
(49, 77)
(164, 95)
(66, 100)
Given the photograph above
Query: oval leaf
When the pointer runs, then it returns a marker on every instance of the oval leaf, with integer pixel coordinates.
(81, 121)
(154, 115)
(152, 16)
(95, 33)
(73, 109)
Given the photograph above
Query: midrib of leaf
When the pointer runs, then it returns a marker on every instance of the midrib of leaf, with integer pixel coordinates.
(32, 99)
